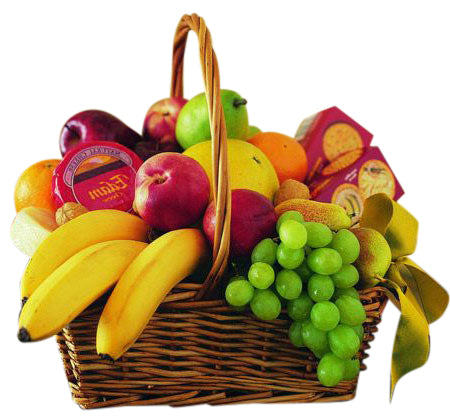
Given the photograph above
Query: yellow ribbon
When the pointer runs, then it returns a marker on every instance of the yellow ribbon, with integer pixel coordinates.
(420, 299)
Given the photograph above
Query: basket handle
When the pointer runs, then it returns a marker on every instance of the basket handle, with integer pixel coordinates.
(220, 184)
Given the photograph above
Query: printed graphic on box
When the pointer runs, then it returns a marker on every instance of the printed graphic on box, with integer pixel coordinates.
(351, 186)
(328, 135)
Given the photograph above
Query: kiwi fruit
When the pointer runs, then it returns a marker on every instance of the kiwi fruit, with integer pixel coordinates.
(291, 189)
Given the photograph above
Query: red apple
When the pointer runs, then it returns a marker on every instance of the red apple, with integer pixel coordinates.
(252, 219)
(95, 125)
(159, 126)
(172, 191)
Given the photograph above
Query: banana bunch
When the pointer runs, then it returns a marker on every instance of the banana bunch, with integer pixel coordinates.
(73, 286)
(74, 236)
(84, 258)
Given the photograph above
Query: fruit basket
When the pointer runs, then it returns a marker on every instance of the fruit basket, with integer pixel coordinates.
(131, 331)
(198, 350)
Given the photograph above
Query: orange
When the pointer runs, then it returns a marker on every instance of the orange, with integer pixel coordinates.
(34, 187)
(286, 155)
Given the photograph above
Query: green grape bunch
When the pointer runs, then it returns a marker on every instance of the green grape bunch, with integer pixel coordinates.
(309, 270)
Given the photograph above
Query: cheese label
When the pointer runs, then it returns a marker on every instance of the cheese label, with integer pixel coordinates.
(98, 175)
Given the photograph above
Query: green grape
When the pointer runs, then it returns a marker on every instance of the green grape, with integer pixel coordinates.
(300, 308)
(288, 258)
(261, 275)
(239, 292)
(359, 329)
(265, 252)
(351, 310)
(282, 300)
(314, 338)
(288, 284)
(295, 334)
(265, 305)
(289, 215)
(324, 261)
(346, 277)
(325, 315)
(351, 291)
(351, 369)
(347, 245)
(293, 234)
(234, 278)
(304, 272)
(319, 235)
(330, 370)
(343, 341)
(320, 353)
(320, 287)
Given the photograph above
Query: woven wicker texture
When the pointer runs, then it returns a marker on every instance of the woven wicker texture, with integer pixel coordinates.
(196, 350)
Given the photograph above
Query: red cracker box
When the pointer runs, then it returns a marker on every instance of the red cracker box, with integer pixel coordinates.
(329, 134)
(349, 187)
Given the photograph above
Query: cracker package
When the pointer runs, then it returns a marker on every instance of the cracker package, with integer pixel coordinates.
(351, 186)
(332, 140)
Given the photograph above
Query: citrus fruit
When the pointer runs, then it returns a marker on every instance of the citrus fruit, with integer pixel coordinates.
(249, 167)
(34, 187)
(286, 155)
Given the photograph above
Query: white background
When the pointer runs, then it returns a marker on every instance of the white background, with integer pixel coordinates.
(384, 63)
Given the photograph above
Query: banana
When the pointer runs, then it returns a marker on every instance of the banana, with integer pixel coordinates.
(73, 286)
(144, 285)
(72, 237)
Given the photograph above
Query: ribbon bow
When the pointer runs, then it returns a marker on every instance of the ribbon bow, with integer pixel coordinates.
(420, 299)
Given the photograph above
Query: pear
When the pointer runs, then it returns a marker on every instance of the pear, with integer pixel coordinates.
(193, 120)
(334, 216)
(374, 256)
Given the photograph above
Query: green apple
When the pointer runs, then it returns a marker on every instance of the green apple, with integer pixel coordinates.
(252, 131)
(193, 120)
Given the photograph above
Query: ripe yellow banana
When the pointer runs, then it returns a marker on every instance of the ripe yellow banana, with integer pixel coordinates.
(72, 237)
(144, 285)
(73, 286)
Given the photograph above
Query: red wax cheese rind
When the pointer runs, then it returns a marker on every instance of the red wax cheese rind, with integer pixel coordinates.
(98, 175)
(327, 135)
(350, 187)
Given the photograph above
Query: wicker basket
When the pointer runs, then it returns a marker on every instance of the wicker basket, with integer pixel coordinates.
(196, 349)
